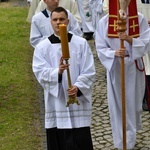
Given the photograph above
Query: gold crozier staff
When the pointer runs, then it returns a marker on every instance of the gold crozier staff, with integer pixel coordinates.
(122, 28)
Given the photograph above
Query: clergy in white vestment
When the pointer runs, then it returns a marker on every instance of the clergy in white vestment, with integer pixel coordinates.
(143, 7)
(41, 27)
(97, 11)
(86, 16)
(32, 9)
(67, 128)
(109, 53)
(67, 4)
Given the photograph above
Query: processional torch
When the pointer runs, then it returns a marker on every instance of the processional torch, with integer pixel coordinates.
(121, 27)
(66, 56)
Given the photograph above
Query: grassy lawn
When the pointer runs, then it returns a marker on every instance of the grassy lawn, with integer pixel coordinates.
(20, 127)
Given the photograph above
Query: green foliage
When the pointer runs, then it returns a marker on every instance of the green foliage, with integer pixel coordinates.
(20, 127)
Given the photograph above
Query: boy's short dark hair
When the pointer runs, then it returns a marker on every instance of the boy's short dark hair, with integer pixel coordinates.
(60, 9)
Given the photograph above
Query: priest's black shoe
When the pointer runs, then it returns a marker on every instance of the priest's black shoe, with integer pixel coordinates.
(145, 106)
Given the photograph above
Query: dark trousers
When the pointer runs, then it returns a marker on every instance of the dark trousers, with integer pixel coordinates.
(69, 139)
(146, 99)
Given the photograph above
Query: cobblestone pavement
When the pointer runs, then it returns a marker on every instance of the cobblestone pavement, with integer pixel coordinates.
(100, 128)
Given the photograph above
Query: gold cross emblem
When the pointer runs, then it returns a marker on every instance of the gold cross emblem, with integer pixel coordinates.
(134, 26)
(114, 25)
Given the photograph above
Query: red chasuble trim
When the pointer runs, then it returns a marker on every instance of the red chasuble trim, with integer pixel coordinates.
(132, 19)
(113, 16)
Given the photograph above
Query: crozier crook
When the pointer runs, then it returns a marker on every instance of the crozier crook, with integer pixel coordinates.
(123, 8)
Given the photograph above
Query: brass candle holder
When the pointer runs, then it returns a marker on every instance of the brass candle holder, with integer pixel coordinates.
(66, 56)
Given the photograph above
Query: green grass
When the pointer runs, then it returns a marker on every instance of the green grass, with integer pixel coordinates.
(20, 127)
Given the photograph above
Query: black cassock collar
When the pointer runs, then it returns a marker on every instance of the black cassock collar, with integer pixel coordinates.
(54, 39)
(45, 13)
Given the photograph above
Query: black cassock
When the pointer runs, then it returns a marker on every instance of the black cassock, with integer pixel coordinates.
(69, 139)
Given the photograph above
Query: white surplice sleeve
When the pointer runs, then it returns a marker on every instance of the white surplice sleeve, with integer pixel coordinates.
(87, 73)
(35, 32)
(73, 25)
(141, 45)
(45, 74)
(104, 52)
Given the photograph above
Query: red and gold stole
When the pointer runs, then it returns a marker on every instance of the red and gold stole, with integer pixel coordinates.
(132, 19)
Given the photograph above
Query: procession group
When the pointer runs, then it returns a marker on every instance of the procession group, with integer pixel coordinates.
(68, 128)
